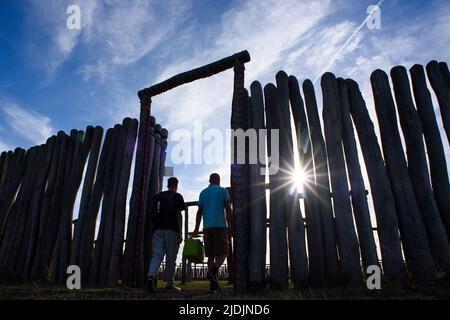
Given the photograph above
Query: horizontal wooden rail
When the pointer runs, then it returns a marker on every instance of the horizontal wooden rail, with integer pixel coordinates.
(195, 74)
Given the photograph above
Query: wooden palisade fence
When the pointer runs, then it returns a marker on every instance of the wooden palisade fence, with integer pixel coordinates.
(38, 191)
(409, 198)
(332, 243)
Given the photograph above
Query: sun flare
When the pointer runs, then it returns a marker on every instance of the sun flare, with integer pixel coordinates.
(299, 179)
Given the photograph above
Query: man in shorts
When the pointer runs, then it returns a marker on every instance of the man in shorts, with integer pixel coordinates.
(214, 201)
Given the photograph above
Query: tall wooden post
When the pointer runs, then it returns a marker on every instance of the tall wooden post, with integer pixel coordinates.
(239, 181)
(49, 234)
(345, 229)
(133, 259)
(277, 231)
(107, 208)
(291, 201)
(317, 272)
(412, 229)
(87, 233)
(358, 191)
(36, 204)
(322, 184)
(152, 191)
(257, 194)
(61, 262)
(435, 148)
(120, 204)
(86, 194)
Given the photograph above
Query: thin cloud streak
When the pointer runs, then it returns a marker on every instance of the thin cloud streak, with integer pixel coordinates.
(29, 125)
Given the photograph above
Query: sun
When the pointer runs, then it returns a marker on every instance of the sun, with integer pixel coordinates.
(299, 179)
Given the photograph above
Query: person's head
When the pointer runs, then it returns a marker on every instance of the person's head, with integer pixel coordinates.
(214, 178)
(172, 184)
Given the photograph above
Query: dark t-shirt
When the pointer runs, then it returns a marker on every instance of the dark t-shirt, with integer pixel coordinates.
(165, 207)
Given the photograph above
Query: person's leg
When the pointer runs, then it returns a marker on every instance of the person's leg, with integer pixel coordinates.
(220, 252)
(171, 238)
(211, 262)
(219, 260)
(159, 250)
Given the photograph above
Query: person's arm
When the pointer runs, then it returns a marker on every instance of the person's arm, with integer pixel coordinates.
(180, 207)
(197, 221)
(180, 226)
(229, 213)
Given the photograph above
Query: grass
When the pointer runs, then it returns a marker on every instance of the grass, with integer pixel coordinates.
(198, 290)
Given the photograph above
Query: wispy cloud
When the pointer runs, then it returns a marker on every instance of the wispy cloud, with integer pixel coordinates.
(268, 29)
(113, 33)
(29, 125)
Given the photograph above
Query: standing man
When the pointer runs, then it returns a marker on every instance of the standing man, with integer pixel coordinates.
(214, 201)
(167, 234)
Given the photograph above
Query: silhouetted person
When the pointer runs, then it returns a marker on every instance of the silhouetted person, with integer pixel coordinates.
(214, 201)
(167, 235)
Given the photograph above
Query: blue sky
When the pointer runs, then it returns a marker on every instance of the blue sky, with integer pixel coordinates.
(53, 78)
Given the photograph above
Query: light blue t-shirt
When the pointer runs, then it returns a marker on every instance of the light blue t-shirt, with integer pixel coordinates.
(213, 200)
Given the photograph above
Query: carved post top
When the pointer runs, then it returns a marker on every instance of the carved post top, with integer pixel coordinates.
(164, 133)
(157, 130)
(164, 136)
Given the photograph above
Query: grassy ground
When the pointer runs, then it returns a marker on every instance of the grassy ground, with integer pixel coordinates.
(198, 290)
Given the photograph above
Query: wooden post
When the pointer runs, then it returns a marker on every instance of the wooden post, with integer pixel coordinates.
(152, 191)
(38, 166)
(358, 190)
(322, 184)
(72, 151)
(186, 235)
(277, 232)
(87, 231)
(292, 210)
(133, 273)
(435, 148)
(239, 181)
(50, 190)
(418, 170)
(163, 156)
(257, 194)
(345, 229)
(16, 220)
(86, 195)
(120, 204)
(383, 199)
(413, 233)
(442, 93)
(94, 276)
(82, 147)
(49, 234)
(36, 204)
(317, 273)
(11, 184)
(107, 251)
(141, 267)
